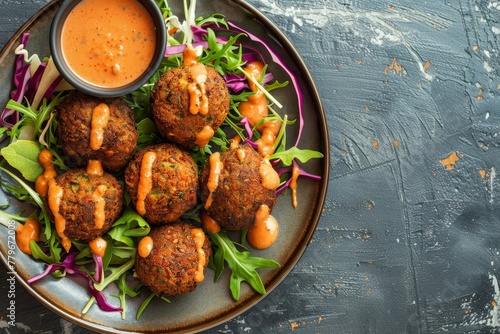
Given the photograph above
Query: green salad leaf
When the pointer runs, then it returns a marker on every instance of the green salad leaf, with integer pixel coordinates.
(242, 265)
(23, 156)
(292, 153)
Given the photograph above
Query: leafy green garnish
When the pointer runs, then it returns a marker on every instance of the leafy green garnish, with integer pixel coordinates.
(242, 265)
(23, 156)
(292, 153)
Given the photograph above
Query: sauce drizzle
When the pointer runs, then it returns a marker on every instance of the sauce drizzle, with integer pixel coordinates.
(216, 167)
(100, 204)
(98, 246)
(265, 230)
(199, 239)
(209, 224)
(145, 246)
(100, 117)
(293, 184)
(268, 176)
(198, 99)
(266, 143)
(145, 181)
(198, 102)
(255, 109)
(42, 182)
(27, 232)
(203, 137)
(94, 167)
(55, 194)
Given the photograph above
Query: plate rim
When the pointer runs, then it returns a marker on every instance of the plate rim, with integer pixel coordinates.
(298, 252)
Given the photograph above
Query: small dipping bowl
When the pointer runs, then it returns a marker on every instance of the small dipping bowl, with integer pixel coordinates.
(93, 51)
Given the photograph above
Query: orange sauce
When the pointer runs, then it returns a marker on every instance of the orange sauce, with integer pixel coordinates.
(216, 167)
(94, 167)
(268, 176)
(293, 184)
(55, 194)
(42, 182)
(145, 246)
(266, 143)
(198, 99)
(100, 203)
(198, 102)
(209, 224)
(100, 117)
(203, 137)
(189, 56)
(98, 246)
(27, 232)
(241, 155)
(109, 43)
(265, 230)
(145, 181)
(255, 109)
(235, 142)
(199, 240)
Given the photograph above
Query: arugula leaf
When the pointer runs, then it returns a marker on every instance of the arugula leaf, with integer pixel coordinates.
(125, 290)
(292, 153)
(241, 264)
(130, 224)
(23, 156)
(146, 302)
(34, 195)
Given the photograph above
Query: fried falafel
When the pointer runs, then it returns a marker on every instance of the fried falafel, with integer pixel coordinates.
(162, 181)
(81, 192)
(239, 192)
(172, 102)
(75, 131)
(177, 259)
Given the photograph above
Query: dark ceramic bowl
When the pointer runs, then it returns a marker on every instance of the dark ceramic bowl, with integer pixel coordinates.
(90, 88)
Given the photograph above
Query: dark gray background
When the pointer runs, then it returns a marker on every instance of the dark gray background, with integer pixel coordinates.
(404, 245)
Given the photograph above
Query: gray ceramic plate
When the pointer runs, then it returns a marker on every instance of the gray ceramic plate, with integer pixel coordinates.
(211, 303)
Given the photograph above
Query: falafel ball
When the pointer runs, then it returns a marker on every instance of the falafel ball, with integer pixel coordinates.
(81, 193)
(173, 264)
(173, 182)
(239, 192)
(171, 101)
(119, 136)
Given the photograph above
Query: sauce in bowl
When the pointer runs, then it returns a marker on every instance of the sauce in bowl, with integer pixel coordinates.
(108, 48)
(108, 43)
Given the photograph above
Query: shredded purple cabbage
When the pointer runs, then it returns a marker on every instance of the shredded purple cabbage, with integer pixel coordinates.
(302, 172)
(33, 82)
(292, 76)
(248, 127)
(69, 266)
(98, 276)
(25, 86)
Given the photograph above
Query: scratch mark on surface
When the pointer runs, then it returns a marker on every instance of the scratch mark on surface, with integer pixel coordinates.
(408, 46)
(495, 321)
(319, 17)
(493, 175)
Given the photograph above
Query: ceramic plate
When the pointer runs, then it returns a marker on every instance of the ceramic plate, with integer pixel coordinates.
(211, 303)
